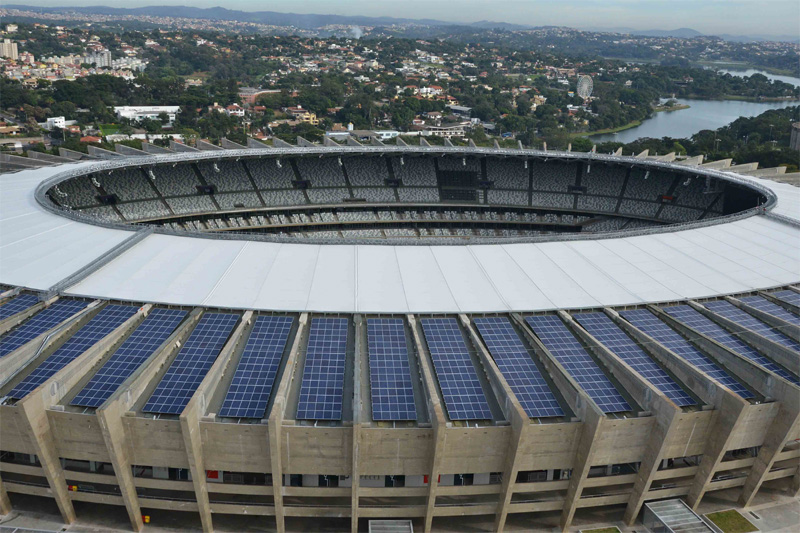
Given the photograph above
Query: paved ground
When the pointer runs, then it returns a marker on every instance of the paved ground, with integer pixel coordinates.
(772, 512)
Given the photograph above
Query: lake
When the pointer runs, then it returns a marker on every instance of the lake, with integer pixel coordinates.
(749, 72)
(702, 115)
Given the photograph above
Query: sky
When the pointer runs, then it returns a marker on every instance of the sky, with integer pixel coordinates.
(744, 17)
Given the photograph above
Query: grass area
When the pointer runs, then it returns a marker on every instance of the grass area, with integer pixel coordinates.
(109, 129)
(613, 529)
(731, 522)
(607, 130)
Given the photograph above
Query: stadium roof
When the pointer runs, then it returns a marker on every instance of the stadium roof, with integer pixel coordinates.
(40, 249)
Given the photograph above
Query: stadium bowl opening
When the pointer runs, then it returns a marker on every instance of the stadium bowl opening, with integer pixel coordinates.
(401, 195)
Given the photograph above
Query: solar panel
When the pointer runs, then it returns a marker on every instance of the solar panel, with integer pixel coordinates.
(42, 321)
(191, 364)
(458, 380)
(520, 371)
(702, 324)
(140, 345)
(323, 375)
(788, 297)
(762, 304)
(731, 312)
(389, 370)
(650, 324)
(103, 323)
(17, 305)
(578, 363)
(249, 393)
(612, 337)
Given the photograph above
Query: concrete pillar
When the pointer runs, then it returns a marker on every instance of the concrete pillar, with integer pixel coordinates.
(34, 408)
(730, 415)
(355, 476)
(777, 301)
(787, 328)
(15, 319)
(190, 421)
(276, 420)
(782, 428)
(5, 502)
(649, 397)
(514, 413)
(110, 414)
(438, 420)
(584, 455)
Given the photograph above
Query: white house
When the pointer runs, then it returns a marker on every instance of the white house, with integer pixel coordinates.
(137, 113)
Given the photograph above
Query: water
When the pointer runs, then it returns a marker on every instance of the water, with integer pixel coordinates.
(749, 72)
(701, 115)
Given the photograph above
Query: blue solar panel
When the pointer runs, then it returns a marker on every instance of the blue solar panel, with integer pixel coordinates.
(578, 363)
(701, 324)
(518, 369)
(191, 364)
(39, 323)
(250, 389)
(747, 321)
(140, 345)
(389, 370)
(323, 375)
(461, 389)
(609, 334)
(103, 323)
(649, 324)
(762, 304)
(17, 305)
(788, 296)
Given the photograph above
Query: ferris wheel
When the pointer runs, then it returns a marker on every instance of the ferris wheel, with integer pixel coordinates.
(585, 86)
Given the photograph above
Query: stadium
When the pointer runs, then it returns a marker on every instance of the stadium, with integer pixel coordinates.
(356, 332)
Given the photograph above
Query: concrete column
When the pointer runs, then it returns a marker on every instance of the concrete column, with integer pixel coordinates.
(438, 420)
(355, 476)
(34, 408)
(5, 502)
(782, 428)
(190, 421)
(584, 455)
(276, 420)
(730, 415)
(13, 320)
(777, 301)
(649, 397)
(514, 413)
(110, 414)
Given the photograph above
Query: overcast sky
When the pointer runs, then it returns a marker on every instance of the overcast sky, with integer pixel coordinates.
(751, 17)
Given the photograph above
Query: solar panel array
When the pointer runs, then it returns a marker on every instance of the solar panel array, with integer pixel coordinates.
(762, 304)
(323, 376)
(458, 380)
(788, 296)
(518, 368)
(702, 324)
(609, 334)
(577, 362)
(151, 333)
(389, 370)
(17, 305)
(38, 324)
(651, 325)
(191, 364)
(248, 395)
(747, 321)
(103, 323)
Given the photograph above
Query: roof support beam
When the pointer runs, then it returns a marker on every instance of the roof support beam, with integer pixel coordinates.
(33, 408)
(437, 417)
(190, 421)
(355, 477)
(514, 413)
(111, 415)
(276, 420)
(787, 328)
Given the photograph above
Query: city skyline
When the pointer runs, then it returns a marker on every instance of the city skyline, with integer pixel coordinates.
(745, 17)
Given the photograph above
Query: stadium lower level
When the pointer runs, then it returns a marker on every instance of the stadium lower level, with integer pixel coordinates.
(157, 368)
